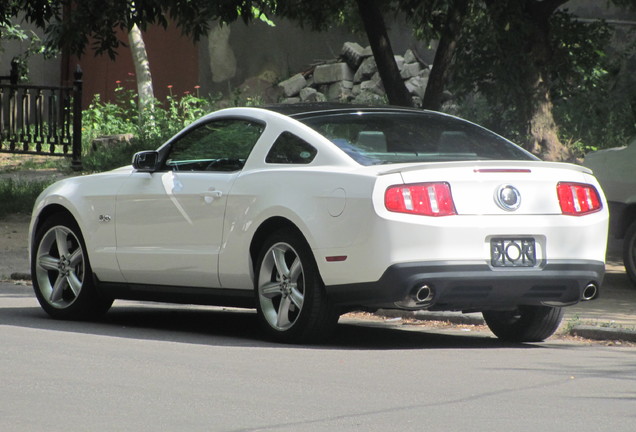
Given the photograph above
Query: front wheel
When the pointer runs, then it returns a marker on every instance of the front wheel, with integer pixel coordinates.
(524, 324)
(61, 272)
(291, 301)
(629, 252)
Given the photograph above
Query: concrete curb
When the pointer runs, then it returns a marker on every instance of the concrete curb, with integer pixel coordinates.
(458, 318)
(603, 333)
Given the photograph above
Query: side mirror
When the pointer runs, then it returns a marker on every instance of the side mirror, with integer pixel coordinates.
(146, 161)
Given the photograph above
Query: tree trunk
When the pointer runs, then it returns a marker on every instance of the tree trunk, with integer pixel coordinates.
(444, 54)
(543, 130)
(536, 101)
(142, 70)
(383, 53)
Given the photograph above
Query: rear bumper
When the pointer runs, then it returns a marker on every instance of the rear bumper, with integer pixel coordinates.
(474, 287)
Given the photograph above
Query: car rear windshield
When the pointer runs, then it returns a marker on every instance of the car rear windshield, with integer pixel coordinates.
(372, 138)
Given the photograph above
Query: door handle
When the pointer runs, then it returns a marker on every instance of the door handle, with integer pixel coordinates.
(211, 195)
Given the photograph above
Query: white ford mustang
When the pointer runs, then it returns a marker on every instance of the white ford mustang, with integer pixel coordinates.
(309, 211)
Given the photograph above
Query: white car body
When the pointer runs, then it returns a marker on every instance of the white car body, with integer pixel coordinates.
(175, 235)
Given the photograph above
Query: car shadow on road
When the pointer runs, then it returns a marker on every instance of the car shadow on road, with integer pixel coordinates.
(219, 326)
(238, 327)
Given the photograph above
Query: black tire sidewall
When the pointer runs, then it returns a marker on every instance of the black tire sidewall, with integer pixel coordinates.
(535, 323)
(629, 258)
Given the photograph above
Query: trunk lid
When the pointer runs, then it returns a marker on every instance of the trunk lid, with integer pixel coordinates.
(498, 187)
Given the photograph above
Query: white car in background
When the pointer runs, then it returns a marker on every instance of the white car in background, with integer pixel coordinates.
(305, 212)
(614, 168)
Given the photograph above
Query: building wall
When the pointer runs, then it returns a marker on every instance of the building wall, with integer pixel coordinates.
(173, 62)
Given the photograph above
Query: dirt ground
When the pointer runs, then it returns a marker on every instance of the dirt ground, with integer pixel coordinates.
(13, 245)
(14, 228)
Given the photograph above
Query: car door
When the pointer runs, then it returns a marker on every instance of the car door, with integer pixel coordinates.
(169, 223)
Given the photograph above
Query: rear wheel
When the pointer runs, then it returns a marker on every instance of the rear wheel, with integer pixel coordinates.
(291, 301)
(61, 272)
(629, 252)
(524, 324)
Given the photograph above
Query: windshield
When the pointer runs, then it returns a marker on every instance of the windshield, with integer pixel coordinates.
(373, 138)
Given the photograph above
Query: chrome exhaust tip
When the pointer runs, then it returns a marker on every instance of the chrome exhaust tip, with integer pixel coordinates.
(590, 292)
(423, 294)
(419, 298)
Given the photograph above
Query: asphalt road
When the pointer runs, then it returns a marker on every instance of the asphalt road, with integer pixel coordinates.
(162, 367)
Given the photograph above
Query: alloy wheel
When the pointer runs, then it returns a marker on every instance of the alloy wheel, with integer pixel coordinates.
(281, 286)
(60, 267)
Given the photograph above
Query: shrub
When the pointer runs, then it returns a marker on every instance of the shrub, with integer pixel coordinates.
(150, 129)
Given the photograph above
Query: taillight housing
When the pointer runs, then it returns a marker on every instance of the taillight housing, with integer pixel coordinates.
(578, 199)
(425, 199)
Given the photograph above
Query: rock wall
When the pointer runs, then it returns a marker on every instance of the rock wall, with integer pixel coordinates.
(353, 77)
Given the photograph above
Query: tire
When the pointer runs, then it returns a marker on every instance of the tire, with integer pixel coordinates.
(290, 296)
(524, 324)
(61, 271)
(629, 252)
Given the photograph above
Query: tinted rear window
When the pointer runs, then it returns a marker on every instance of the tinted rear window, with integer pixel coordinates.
(373, 138)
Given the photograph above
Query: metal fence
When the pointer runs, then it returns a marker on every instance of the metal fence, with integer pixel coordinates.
(41, 120)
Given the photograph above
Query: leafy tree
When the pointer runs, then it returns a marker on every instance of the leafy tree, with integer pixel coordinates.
(522, 55)
(72, 24)
(12, 31)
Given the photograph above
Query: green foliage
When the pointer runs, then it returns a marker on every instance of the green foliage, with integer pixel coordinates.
(18, 196)
(151, 128)
(579, 63)
(594, 107)
(490, 80)
(97, 22)
(30, 44)
(596, 119)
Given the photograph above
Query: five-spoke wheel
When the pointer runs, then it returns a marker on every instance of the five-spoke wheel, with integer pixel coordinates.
(291, 299)
(61, 271)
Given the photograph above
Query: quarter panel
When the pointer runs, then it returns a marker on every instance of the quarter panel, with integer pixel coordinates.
(331, 207)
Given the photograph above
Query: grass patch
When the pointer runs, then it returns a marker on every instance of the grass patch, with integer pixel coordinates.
(18, 196)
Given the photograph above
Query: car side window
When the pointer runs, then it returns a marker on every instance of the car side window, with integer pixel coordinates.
(290, 149)
(221, 145)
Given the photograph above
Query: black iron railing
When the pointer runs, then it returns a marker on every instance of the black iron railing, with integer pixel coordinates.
(42, 120)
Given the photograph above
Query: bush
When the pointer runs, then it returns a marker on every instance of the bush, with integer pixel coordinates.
(150, 128)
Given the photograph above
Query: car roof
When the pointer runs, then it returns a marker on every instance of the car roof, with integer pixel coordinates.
(309, 109)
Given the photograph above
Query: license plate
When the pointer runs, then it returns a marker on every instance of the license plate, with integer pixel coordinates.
(508, 252)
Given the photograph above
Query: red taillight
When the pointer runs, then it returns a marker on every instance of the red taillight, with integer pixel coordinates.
(578, 198)
(427, 199)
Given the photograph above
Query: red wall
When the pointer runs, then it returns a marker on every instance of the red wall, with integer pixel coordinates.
(173, 62)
